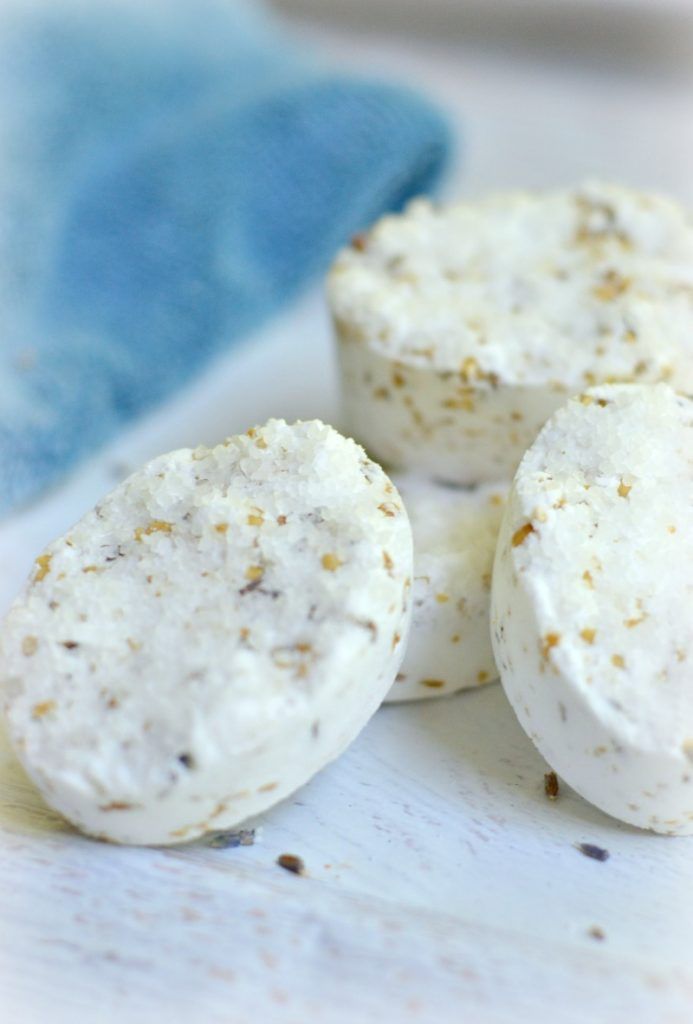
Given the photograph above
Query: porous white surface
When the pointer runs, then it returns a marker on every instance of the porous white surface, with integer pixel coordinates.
(592, 603)
(462, 328)
(212, 634)
(455, 531)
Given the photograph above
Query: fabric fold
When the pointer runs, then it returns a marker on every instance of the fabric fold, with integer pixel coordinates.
(163, 190)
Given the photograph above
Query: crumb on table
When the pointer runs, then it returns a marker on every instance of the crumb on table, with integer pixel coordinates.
(290, 862)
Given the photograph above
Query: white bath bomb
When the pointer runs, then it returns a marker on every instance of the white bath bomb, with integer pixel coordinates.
(455, 531)
(212, 634)
(592, 603)
(462, 328)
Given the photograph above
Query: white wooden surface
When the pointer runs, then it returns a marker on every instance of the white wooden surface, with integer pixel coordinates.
(441, 884)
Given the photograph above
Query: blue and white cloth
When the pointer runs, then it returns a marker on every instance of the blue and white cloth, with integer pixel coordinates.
(170, 174)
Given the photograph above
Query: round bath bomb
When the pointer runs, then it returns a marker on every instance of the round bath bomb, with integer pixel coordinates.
(592, 602)
(213, 633)
(455, 531)
(462, 328)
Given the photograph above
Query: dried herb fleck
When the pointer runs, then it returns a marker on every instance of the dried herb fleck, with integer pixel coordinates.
(551, 787)
(592, 851)
(290, 862)
(230, 840)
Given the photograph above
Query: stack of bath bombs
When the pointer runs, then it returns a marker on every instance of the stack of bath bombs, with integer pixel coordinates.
(462, 330)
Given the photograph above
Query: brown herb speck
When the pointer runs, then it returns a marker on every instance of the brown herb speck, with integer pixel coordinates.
(290, 862)
(612, 285)
(331, 562)
(550, 640)
(470, 370)
(29, 645)
(44, 567)
(551, 787)
(520, 535)
(156, 526)
(43, 708)
(631, 623)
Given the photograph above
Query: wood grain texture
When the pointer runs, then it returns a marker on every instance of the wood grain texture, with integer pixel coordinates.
(438, 877)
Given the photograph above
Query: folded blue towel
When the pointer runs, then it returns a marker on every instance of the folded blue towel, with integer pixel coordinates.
(170, 174)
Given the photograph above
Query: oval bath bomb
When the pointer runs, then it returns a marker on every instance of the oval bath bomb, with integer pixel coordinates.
(455, 531)
(462, 328)
(213, 633)
(592, 601)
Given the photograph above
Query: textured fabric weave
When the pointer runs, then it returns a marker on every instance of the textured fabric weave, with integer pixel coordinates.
(170, 174)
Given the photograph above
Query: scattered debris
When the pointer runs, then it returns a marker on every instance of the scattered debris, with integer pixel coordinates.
(551, 787)
(290, 862)
(592, 851)
(596, 933)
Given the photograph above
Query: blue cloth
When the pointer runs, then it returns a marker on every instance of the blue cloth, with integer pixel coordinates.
(170, 174)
